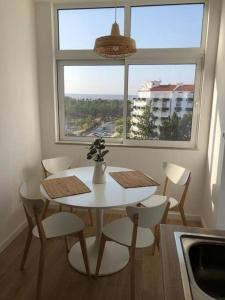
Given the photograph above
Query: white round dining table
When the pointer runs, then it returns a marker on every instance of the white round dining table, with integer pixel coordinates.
(102, 196)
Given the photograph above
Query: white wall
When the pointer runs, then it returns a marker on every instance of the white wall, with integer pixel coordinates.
(146, 159)
(214, 200)
(20, 150)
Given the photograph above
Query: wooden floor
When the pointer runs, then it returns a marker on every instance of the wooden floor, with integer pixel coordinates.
(61, 282)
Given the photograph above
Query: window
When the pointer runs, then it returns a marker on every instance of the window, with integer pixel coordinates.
(92, 107)
(164, 123)
(167, 26)
(85, 25)
(147, 99)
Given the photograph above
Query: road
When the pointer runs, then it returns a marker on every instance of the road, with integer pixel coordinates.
(106, 130)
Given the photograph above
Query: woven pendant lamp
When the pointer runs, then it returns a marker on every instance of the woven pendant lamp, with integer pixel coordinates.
(115, 45)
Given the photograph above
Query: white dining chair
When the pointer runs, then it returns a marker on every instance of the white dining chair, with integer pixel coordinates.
(57, 164)
(178, 176)
(62, 224)
(133, 231)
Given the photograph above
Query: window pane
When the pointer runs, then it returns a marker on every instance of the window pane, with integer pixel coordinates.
(93, 99)
(167, 26)
(78, 28)
(160, 105)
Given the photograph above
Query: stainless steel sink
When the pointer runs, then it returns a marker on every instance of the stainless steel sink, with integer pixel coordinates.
(202, 264)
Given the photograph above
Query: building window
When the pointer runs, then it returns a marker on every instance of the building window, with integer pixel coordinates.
(148, 99)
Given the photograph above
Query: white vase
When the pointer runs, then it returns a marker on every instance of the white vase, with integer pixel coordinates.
(99, 172)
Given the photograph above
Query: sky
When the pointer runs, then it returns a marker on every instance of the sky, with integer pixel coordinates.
(167, 26)
(110, 79)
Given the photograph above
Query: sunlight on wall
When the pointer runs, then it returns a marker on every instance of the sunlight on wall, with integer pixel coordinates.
(212, 130)
(214, 204)
(215, 144)
(215, 152)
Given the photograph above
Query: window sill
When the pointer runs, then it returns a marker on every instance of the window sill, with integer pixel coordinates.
(120, 145)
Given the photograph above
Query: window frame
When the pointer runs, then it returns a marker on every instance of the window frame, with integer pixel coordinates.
(143, 56)
(61, 106)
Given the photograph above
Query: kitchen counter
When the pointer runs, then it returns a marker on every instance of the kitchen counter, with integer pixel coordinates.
(172, 282)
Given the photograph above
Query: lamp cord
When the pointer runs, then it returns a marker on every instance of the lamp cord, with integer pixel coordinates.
(115, 12)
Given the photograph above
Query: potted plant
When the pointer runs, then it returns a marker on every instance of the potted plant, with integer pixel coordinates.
(97, 152)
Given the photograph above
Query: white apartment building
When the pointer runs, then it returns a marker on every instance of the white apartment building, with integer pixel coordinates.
(164, 99)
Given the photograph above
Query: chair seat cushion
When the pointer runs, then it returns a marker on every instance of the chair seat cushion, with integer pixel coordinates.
(155, 200)
(121, 231)
(60, 224)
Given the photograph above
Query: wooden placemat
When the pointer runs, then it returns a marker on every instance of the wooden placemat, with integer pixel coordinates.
(133, 179)
(65, 186)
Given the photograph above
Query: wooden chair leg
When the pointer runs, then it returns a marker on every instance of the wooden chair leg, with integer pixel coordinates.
(132, 257)
(40, 271)
(71, 208)
(90, 217)
(100, 253)
(26, 249)
(45, 208)
(132, 277)
(183, 216)
(84, 251)
(60, 207)
(67, 244)
(157, 238)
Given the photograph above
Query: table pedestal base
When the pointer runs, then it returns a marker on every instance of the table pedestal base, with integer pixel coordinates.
(115, 257)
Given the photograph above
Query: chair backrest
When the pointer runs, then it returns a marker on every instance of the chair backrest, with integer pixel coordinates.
(33, 206)
(148, 216)
(56, 164)
(178, 175)
(32, 198)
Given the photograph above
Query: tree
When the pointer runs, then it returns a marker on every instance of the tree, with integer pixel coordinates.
(185, 126)
(169, 128)
(119, 126)
(176, 129)
(146, 124)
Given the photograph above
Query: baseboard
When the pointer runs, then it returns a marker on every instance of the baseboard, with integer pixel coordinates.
(172, 214)
(190, 217)
(4, 244)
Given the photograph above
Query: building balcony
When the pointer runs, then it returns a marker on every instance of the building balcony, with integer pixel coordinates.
(137, 113)
(165, 114)
(134, 122)
(155, 108)
(189, 108)
(165, 108)
(134, 128)
(179, 99)
(165, 99)
(190, 100)
(155, 99)
(139, 99)
(138, 107)
(133, 114)
(178, 108)
(164, 118)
